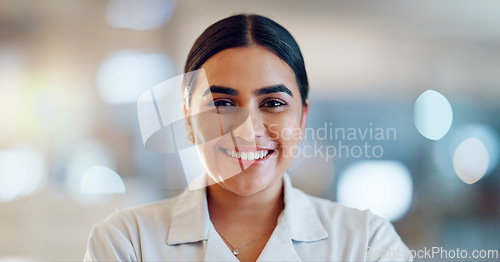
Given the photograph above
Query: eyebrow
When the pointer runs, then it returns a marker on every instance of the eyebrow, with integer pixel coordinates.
(273, 89)
(262, 91)
(221, 90)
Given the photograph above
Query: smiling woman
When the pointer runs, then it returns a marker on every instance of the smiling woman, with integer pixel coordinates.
(248, 210)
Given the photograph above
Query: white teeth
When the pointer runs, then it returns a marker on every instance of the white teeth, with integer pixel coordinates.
(251, 156)
(244, 156)
(248, 155)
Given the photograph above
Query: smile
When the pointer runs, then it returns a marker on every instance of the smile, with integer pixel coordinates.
(243, 155)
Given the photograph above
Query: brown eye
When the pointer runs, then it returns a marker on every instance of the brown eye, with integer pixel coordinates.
(223, 106)
(273, 103)
(222, 103)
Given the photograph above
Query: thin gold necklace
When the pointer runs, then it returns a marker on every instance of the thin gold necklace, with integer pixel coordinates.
(236, 250)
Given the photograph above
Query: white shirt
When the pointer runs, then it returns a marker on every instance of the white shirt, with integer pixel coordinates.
(308, 229)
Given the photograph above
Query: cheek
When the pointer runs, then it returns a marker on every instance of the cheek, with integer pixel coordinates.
(286, 131)
(208, 148)
(205, 127)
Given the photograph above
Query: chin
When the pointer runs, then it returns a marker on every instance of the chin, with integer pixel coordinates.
(250, 182)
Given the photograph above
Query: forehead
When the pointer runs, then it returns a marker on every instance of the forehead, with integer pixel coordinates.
(249, 68)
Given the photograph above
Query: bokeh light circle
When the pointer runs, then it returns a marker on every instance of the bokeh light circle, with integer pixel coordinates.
(139, 15)
(432, 114)
(125, 75)
(86, 155)
(445, 149)
(101, 180)
(471, 160)
(384, 187)
(22, 171)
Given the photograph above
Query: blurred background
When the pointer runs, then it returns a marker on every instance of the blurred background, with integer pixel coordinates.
(71, 150)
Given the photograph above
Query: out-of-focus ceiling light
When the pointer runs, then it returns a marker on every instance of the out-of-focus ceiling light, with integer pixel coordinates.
(139, 15)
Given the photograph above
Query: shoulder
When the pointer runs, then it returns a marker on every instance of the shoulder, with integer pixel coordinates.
(118, 236)
(359, 228)
(340, 218)
(130, 222)
(158, 210)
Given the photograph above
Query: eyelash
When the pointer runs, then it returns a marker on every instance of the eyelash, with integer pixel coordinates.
(215, 103)
(267, 102)
(273, 105)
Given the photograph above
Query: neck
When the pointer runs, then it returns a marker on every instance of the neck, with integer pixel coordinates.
(260, 209)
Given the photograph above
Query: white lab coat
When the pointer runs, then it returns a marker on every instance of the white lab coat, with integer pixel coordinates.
(308, 229)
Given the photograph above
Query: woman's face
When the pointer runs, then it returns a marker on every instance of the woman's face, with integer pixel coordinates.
(253, 103)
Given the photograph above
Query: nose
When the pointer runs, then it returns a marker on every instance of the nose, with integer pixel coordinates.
(253, 127)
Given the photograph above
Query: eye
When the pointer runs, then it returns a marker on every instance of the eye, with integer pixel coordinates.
(222, 103)
(223, 106)
(274, 105)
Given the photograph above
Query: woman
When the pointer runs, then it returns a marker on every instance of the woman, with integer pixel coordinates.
(255, 98)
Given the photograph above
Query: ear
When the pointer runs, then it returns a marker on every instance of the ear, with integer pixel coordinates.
(303, 120)
(187, 121)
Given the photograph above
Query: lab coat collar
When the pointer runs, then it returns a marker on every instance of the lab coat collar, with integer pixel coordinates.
(191, 220)
(300, 216)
